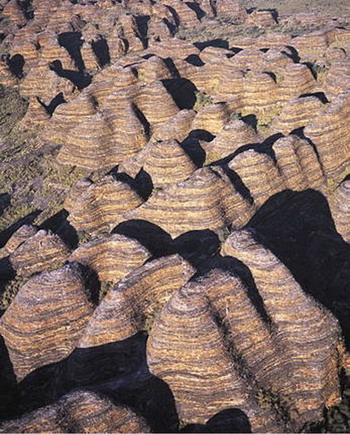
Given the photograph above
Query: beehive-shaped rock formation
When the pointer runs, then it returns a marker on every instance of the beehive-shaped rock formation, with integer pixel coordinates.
(67, 116)
(311, 341)
(111, 79)
(340, 207)
(133, 303)
(36, 114)
(42, 251)
(45, 320)
(260, 93)
(297, 113)
(234, 135)
(18, 238)
(189, 205)
(167, 163)
(298, 164)
(81, 411)
(259, 174)
(98, 206)
(90, 145)
(156, 104)
(334, 159)
(231, 8)
(297, 80)
(261, 18)
(177, 127)
(111, 257)
(45, 84)
(188, 331)
(212, 118)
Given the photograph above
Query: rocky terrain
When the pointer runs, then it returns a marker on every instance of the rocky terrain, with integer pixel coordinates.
(174, 216)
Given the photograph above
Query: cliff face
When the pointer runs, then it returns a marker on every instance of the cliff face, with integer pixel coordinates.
(175, 217)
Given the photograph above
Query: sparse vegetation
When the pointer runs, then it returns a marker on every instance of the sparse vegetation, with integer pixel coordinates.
(202, 99)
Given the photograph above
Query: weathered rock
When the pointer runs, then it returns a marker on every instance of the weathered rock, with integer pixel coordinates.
(331, 127)
(45, 320)
(81, 411)
(96, 207)
(134, 302)
(40, 252)
(167, 163)
(308, 334)
(111, 257)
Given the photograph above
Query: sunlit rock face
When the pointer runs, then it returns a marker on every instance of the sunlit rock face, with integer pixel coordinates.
(174, 216)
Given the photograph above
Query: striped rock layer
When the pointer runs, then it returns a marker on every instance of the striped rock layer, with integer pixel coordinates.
(99, 207)
(136, 299)
(45, 320)
(253, 343)
(111, 257)
(79, 411)
(42, 251)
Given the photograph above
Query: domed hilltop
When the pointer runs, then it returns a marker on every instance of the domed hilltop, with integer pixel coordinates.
(174, 216)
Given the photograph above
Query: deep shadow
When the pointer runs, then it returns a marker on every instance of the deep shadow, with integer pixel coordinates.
(151, 236)
(27, 220)
(84, 367)
(72, 42)
(118, 370)
(192, 145)
(175, 16)
(292, 53)
(298, 228)
(16, 65)
(59, 224)
(101, 50)
(194, 60)
(319, 95)
(27, 8)
(6, 272)
(142, 26)
(183, 92)
(220, 43)
(5, 202)
(79, 79)
(251, 120)
(196, 8)
(197, 246)
(54, 103)
(230, 420)
(142, 118)
(8, 384)
(142, 183)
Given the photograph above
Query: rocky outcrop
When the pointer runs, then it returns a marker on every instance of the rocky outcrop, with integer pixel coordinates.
(17, 239)
(81, 411)
(190, 328)
(111, 257)
(212, 118)
(167, 163)
(234, 135)
(177, 127)
(334, 159)
(297, 80)
(45, 320)
(315, 332)
(90, 145)
(96, 207)
(297, 113)
(42, 251)
(197, 203)
(136, 300)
